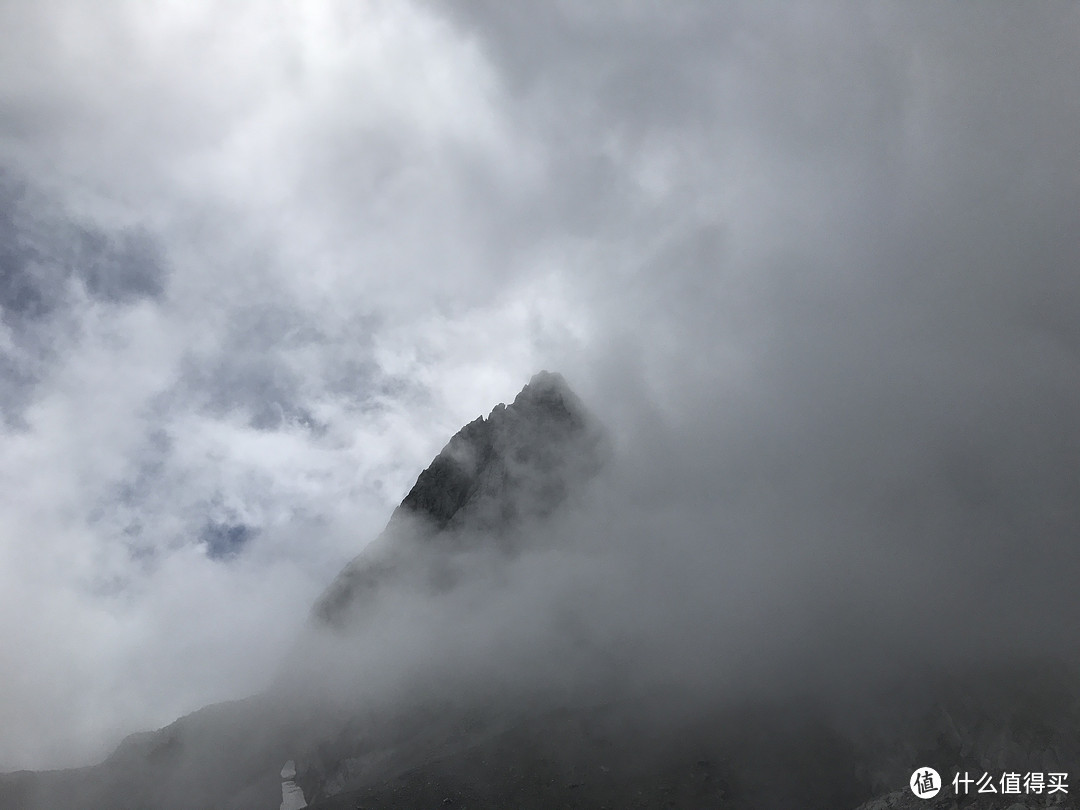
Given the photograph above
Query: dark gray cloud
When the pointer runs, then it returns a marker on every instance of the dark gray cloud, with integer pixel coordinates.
(46, 249)
(224, 541)
(48, 259)
(823, 315)
(120, 270)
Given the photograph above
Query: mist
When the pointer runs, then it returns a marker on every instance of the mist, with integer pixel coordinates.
(814, 269)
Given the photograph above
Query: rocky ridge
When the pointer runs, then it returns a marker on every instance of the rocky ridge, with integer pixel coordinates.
(496, 474)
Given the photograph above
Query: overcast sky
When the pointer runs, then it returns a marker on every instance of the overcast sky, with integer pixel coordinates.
(259, 260)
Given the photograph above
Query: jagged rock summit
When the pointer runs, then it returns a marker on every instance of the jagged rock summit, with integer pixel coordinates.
(495, 475)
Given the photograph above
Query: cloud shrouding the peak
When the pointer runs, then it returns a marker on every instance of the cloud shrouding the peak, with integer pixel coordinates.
(258, 263)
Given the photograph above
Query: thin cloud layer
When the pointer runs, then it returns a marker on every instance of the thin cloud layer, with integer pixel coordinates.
(815, 267)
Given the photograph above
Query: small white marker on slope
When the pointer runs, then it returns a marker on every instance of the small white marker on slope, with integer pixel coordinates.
(292, 797)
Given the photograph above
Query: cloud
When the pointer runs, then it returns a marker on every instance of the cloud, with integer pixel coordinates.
(815, 267)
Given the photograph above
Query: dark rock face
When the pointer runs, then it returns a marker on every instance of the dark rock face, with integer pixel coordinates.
(497, 473)
(653, 752)
(517, 464)
(619, 756)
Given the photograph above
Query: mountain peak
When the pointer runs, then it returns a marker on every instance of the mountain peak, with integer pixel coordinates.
(544, 381)
(517, 438)
(518, 464)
